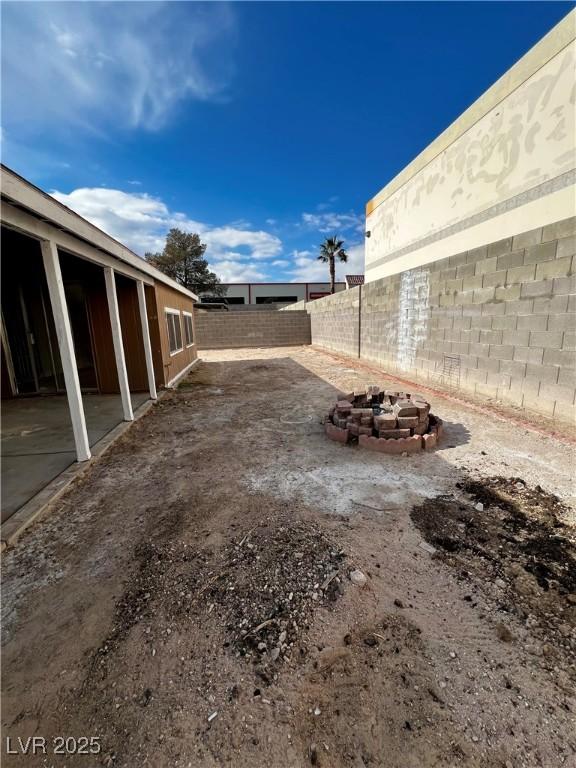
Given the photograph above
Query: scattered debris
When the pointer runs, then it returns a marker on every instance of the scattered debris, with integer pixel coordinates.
(266, 593)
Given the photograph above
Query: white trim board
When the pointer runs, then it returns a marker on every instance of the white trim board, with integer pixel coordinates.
(172, 383)
(23, 222)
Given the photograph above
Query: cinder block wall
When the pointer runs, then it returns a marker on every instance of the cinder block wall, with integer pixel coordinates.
(227, 330)
(335, 321)
(505, 313)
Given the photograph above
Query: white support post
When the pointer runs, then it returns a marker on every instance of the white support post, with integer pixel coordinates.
(118, 345)
(66, 347)
(146, 338)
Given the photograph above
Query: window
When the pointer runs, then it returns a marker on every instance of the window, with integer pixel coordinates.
(276, 299)
(174, 330)
(188, 329)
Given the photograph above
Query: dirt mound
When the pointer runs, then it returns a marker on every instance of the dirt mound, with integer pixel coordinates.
(275, 576)
(261, 589)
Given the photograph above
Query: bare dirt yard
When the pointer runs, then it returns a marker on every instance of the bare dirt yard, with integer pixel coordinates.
(189, 601)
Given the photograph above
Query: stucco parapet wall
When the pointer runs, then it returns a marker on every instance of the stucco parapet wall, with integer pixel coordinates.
(549, 46)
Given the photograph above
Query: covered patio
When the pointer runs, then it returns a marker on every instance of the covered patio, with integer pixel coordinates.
(76, 351)
(38, 442)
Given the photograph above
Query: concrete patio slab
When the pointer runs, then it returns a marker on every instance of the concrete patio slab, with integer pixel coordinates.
(38, 444)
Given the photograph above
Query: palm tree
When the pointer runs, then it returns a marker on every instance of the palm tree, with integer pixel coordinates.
(330, 250)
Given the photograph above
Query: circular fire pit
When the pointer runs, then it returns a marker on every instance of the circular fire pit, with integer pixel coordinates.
(385, 421)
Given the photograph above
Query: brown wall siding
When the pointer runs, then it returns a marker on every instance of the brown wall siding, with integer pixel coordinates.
(105, 360)
(132, 334)
(172, 365)
(154, 330)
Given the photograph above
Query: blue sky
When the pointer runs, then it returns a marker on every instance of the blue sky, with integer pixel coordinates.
(264, 126)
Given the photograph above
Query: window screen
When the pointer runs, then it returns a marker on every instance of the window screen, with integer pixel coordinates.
(174, 330)
(188, 329)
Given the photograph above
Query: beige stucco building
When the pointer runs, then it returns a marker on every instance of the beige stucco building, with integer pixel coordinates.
(505, 166)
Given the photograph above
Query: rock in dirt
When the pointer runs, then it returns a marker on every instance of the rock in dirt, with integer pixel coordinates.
(313, 752)
(358, 578)
(330, 656)
(398, 603)
(503, 633)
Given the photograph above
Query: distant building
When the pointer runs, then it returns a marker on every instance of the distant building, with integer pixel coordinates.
(276, 293)
(353, 280)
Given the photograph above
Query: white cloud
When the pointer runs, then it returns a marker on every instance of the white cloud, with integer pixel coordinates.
(232, 272)
(310, 270)
(333, 223)
(93, 65)
(259, 244)
(141, 222)
(281, 263)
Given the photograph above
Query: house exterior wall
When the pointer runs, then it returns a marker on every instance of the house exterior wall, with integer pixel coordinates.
(228, 330)
(507, 165)
(505, 313)
(171, 365)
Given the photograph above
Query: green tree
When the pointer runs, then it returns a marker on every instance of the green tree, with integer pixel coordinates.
(330, 250)
(183, 260)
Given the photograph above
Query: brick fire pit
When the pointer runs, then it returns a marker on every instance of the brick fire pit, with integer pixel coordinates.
(385, 421)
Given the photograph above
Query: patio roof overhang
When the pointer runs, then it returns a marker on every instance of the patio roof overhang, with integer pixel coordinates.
(34, 212)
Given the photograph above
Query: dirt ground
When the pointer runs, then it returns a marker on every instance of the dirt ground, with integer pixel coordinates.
(189, 601)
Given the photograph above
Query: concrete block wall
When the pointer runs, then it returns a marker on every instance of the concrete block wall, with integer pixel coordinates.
(228, 330)
(505, 312)
(296, 306)
(335, 321)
